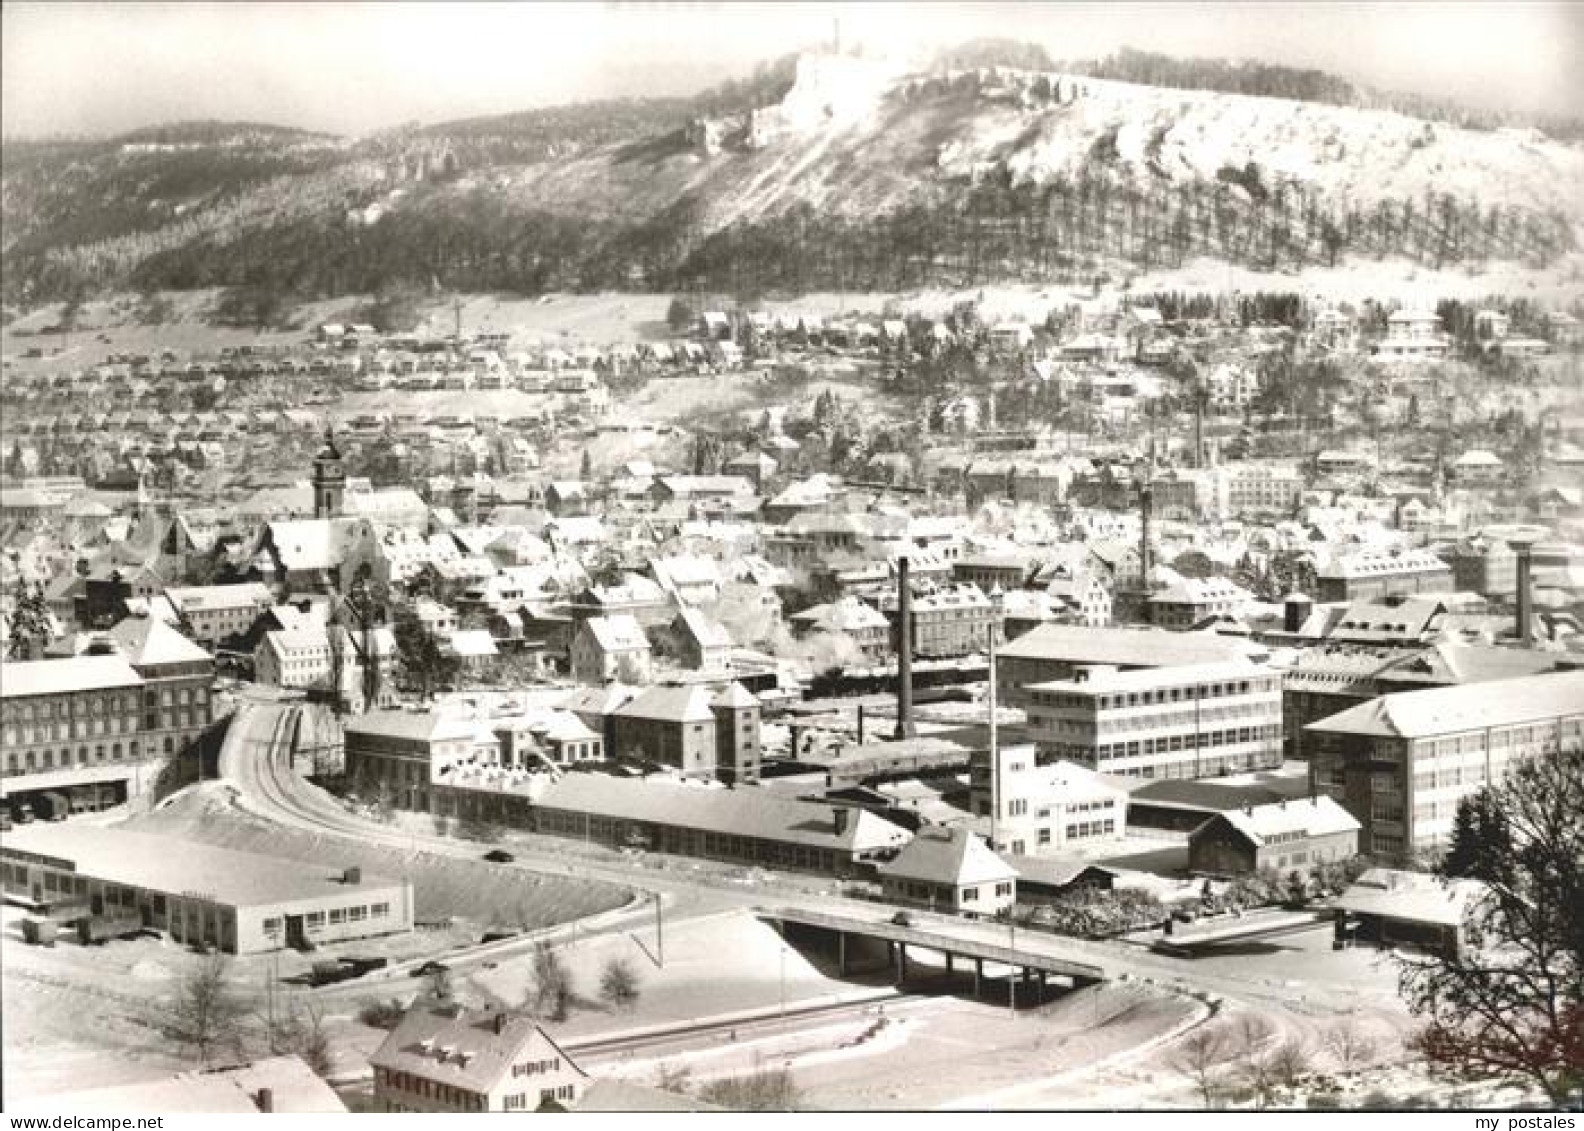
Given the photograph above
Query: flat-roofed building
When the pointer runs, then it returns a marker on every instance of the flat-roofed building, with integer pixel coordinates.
(1193, 721)
(1057, 651)
(1045, 808)
(1401, 762)
(240, 902)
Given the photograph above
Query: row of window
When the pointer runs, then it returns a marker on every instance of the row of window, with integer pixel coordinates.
(1177, 742)
(31, 761)
(1190, 769)
(1148, 698)
(337, 916)
(519, 1101)
(425, 1088)
(536, 1067)
(1081, 830)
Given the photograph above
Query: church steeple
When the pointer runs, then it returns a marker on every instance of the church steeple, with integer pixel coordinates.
(329, 478)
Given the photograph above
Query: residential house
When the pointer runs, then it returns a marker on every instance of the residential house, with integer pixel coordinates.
(950, 870)
(702, 642)
(445, 1057)
(1284, 836)
(851, 617)
(612, 647)
(212, 614)
(1187, 601)
(953, 620)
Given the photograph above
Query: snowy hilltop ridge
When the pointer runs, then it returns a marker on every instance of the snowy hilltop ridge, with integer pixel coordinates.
(823, 171)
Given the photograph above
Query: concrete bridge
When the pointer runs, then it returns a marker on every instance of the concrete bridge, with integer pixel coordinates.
(1026, 955)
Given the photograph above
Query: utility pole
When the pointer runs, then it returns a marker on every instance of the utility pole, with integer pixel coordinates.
(1012, 971)
(995, 746)
(660, 932)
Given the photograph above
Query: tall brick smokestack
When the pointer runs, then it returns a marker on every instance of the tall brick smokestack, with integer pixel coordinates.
(904, 723)
(1525, 624)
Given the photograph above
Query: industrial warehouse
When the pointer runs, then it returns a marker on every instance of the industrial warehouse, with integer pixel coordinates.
(239, 902)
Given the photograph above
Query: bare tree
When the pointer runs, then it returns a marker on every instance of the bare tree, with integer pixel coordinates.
(300, 1031)
(1202, 1057)
(1351, 1047)
(1507, 999)
(206, 1016)
(314, 1044)
(1290, 1062)
(1252, 1049)
(619, 983)
(550, 987)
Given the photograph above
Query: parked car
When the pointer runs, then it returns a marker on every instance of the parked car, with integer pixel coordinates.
(499, 856)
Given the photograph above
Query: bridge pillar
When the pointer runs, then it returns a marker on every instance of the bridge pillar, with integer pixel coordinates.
(978, 976)
(841, 953)
(949, 963)
(901, 963)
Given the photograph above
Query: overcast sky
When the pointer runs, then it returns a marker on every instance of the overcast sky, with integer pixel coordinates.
(100, 68)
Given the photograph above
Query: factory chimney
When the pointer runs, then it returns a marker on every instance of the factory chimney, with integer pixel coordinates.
(1146, 505)
(1525, 597)
(904, 723)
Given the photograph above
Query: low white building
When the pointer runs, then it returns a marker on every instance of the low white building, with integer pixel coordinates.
(1044, 809)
